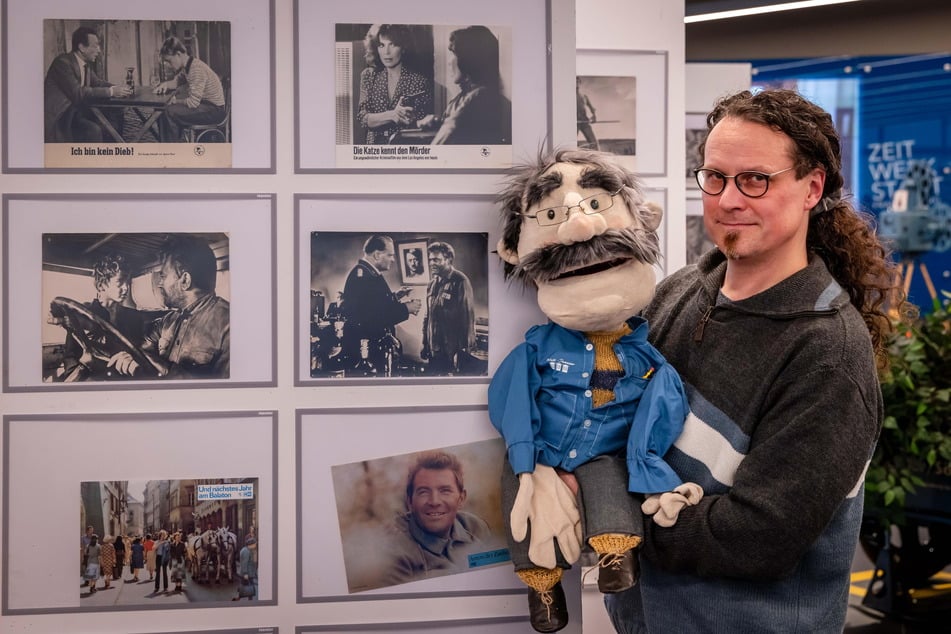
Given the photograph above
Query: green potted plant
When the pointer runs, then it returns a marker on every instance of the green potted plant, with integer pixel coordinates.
(908, 483)
(915, 444)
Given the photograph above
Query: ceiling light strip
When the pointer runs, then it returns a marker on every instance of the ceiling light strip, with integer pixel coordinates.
(739, 13)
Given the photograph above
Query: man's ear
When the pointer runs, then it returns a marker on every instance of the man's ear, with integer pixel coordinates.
(817, 184)
(651, 215)
(186, 281)
(506, 254)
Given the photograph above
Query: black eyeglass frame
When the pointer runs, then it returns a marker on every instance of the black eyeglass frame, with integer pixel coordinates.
(568, 208)
(726, 177)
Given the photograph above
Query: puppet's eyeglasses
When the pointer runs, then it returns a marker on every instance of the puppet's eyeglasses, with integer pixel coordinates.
(591, 205)
(751, 184)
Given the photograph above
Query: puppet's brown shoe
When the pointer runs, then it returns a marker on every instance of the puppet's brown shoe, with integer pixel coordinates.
(548, 609)
(618, 572)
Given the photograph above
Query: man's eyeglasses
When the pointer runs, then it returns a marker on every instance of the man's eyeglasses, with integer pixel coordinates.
(556, 215)
(751, 184)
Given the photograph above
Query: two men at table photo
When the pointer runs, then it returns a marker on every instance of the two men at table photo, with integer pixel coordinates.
(81, 106)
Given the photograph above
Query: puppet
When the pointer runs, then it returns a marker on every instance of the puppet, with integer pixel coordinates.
(585, 393)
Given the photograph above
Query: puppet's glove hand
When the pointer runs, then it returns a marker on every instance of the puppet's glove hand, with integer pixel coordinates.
(547, 502)
(665, 507)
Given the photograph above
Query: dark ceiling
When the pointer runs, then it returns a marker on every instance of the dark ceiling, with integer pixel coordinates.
(863, 9)
(868, 27)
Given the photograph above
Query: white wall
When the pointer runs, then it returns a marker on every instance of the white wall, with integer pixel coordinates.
(638, 25)
(706, 82)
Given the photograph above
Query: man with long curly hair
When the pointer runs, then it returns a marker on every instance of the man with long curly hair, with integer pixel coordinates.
(777, 334)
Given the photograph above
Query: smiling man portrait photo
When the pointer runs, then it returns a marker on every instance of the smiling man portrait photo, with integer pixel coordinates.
(434, 536)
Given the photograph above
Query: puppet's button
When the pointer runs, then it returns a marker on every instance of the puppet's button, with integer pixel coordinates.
(585, 375)
(587, 424)
(589, 347)
(587, 393)
(572, 454)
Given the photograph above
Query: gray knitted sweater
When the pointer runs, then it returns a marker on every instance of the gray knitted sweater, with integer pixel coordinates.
(785, 412)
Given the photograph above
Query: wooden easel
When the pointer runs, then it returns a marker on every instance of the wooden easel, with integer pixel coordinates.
(909, 271)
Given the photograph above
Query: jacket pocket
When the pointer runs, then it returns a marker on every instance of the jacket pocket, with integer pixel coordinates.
(558, 415)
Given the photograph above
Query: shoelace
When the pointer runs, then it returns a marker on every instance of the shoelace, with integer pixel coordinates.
(606, 560)
(611, 560)
(547, 600)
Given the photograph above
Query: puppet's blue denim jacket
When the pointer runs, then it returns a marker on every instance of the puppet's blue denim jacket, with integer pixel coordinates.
(541, 403)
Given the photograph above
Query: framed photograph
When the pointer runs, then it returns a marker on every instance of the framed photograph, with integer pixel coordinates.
(696, 130)
(698, 241)
(380, 554)
(106, 282)
(399, 100)
(607, 109)
(414, 262)
(212, 512)
(133, 86)
(491, 625)
(622, 106)
(367, 501)
(373, 330)
(367, 322)
(191, 549)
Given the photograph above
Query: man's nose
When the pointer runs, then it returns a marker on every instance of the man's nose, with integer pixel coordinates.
(731, 197)
(580, 226)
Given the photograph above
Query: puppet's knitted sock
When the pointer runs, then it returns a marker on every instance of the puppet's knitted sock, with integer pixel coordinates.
(611, 545)
(540, 579)
(607, 367)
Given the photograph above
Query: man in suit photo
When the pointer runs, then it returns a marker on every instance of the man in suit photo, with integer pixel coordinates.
(70, 82)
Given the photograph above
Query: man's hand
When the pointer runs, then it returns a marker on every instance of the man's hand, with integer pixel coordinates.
(428, 122)
(164, 87)
(121, 91)
(570, 480)
(123, 363)
(413, 306)
(666, 507)
(85, 359)
(545, 501)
